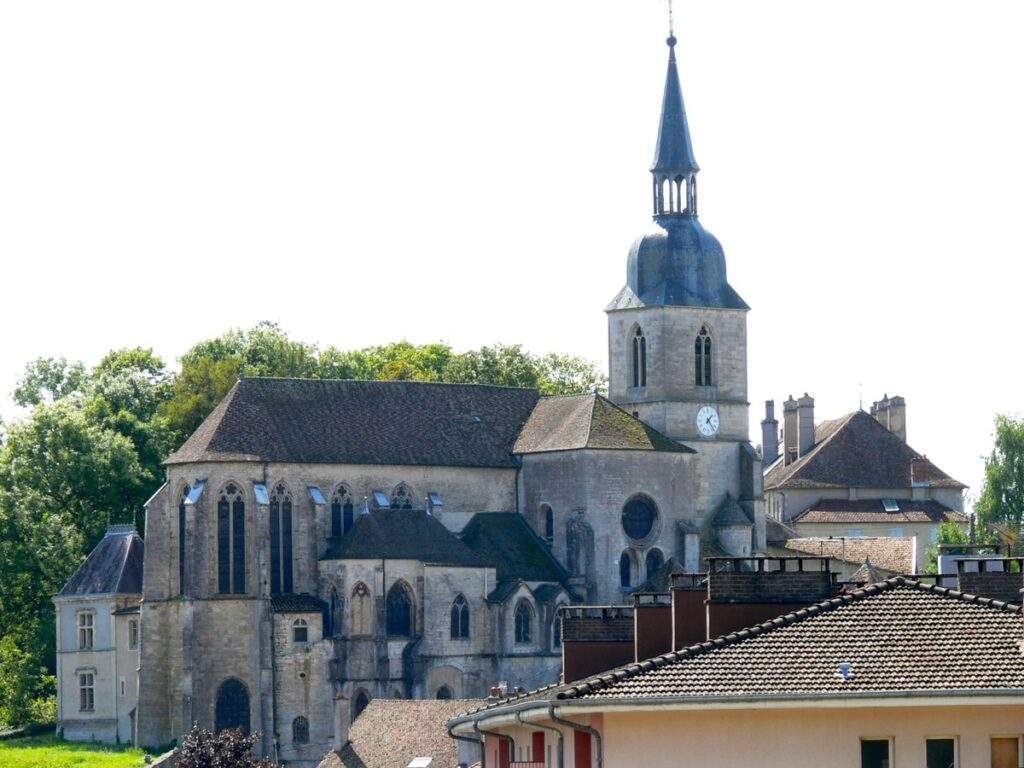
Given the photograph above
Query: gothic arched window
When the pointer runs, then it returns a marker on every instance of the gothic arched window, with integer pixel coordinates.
(702, 357)
(626, 570)
(639, 359)
(524, 622)
(653, 562)
(280, 540)
(182, 573)
(548, 517)
(444, 692)
(362, 611)
(300, 730)
(232, 708)
(231, 541)
(342, 511)
(398, 609)
(359, 703)
(460, 619)
(401, 497)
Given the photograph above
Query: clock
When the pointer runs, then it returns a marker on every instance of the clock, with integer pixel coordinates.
(707, 420)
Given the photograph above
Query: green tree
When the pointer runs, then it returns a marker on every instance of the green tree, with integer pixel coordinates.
(1002, 493)
(949, 533)
(48, 379)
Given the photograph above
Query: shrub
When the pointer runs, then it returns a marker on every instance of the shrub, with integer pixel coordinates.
(227, 749)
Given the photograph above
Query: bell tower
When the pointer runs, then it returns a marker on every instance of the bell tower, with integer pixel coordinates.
(677, 331)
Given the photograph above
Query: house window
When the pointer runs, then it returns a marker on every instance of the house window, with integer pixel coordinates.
(86, 691)
(300, 631)
(133, 634)
(702, 357)
(875, 753)
(940, 753)
(85, 630)
(280, 541)
(444, 693)
(300, 730)
(548, 518)
(231, 541)
(1006, 752)
(626, 570)
(362, 610)
(181, 540)
(342, 511)
(401, 497)
(639, 359)
(460, 619)
(653, 562)
(524, 622)
(398, 609)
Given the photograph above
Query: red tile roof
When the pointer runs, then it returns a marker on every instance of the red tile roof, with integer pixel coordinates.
(873, 511)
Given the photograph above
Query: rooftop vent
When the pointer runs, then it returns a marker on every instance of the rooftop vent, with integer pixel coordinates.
(845, 671)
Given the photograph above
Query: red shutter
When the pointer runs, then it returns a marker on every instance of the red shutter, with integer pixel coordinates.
(503, 754)
(581, 749)
(538, 747)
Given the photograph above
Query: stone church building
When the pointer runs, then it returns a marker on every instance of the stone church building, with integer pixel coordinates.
(318, 544)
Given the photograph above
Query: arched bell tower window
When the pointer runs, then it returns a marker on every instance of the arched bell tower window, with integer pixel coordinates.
(653, 562)
(639, 358)
(280, 540)
(702, 357)
(342, 511)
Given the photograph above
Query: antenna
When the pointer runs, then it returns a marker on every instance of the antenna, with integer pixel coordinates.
(671, 32)
(860, 395)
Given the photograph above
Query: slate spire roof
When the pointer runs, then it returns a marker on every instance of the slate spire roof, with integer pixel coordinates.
(856, 451)
(674, 152)
(114, 567)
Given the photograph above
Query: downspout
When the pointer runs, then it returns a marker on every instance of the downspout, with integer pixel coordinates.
(478, 741)
(499, 736)
(556, 731)
(579, 726)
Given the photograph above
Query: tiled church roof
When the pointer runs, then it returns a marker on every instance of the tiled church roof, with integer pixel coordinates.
(589, 421)
(857, 451)
(113, 567)
(362, 422)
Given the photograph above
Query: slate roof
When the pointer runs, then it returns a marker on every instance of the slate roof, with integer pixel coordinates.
(856, 451)
(899, 635)
(362, 422)
(391, 733)
(403, 534)
(889, 553)
(506, 539)
(573, 422)
(297, 603)
(730, 513)
(776, 532)
(873, 511)
(113, 567)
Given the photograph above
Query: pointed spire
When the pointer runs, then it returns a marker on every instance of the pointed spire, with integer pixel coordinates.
(674, 153)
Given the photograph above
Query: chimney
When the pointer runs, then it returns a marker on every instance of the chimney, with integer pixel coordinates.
(805, 418)
(652, 630)
(596, 639)
(898, 417)
(769, 434)
(880, 410)
(342, 713)
(789, 435)
(689, 617)
(743, 592)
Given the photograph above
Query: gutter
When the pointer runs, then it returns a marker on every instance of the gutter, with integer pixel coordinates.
(580, 727)
(499, 736)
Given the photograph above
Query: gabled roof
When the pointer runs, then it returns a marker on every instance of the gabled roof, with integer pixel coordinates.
(873, 511)
(506, 539)
(296, 603)
(867, 573)
(899, 636)
(113, 567)
(777, 532)
(856, 451)
(573, 422)
(894, 554)
(391, 733)
(404, 534)
(362, 422)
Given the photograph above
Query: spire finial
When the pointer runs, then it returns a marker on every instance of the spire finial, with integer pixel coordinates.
(671, 27)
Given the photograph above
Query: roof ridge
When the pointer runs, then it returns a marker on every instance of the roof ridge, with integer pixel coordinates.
(416, 382)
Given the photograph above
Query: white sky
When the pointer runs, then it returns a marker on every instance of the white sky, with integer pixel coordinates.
(476, 171)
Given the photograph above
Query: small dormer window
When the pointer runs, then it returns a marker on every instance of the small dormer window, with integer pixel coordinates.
(300, 631)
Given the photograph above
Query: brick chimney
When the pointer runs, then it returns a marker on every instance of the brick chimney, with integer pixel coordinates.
(789, 430)
(891, 413)
(652, 628)
(805, 421)
(596, 639)
(769, 434)
(689, 593)
(997, 578)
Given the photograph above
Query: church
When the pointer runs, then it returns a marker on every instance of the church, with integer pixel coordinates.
(318, 544)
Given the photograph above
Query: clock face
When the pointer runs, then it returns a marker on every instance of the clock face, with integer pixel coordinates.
(707, 420)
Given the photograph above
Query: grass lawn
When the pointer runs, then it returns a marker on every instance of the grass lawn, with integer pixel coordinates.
(50, 752)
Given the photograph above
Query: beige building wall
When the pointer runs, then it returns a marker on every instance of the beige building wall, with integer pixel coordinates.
(814, 736)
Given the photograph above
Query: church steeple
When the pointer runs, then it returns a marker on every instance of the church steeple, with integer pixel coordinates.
(675, 168)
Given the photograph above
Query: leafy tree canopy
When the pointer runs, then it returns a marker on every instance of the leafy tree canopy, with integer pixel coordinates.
(1002, 493)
